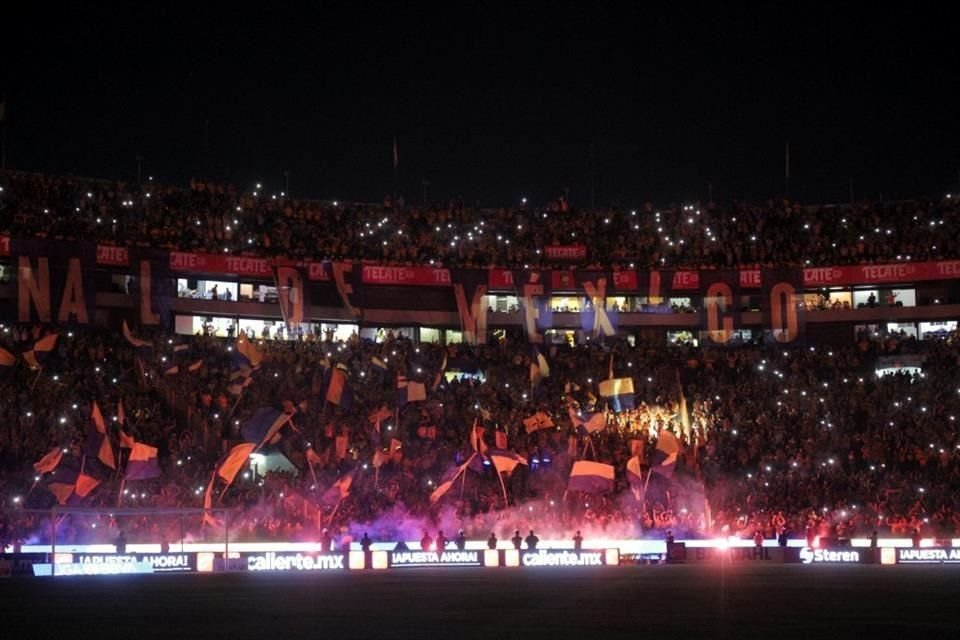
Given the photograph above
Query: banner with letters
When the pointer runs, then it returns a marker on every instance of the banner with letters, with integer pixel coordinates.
(596, 319)
(469, 290)
(199, 264)
(348, 279)
(560, 252)
(533, 290)
(656, 287)
(55, 280)
(296, 562)
(783, 313)
(291, 293)
(720, 317)
(153, 285)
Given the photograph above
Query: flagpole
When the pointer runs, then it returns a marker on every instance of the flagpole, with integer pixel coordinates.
(463, 471)
(220, 497)
(119, 466)
(649, 473)
(234, 407)
(506, 502)
(334, 512)
(35, 380)
(120, 493)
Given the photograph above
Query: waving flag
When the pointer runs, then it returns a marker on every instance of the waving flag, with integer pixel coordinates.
(235, 461)
(539, 368)
(635, 476)
(39, 351)
(380, 458)
(505, 461)
(49, 462)
(409, 391)
(98, 442)
(449, 477)
(61, 491)
(500, 439)
(338, 491)
(7, 360)
(208, 518)
(85, 485)
(136, 342)
(619, 393)
(591, 477)
(142, 464)
(263, 425)
(246, 353)
(70, 487)
(439, 377)
(665, 456)
(240, 379)
(313, 458)
(379, 416)
(338, 390)
(538, 421)
(126, 440)
(596, 421)
(476, 437)
(591, 401)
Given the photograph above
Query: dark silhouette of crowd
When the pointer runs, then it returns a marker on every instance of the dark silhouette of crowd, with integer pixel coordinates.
(260, 220)
(780, 442)
(775, 440)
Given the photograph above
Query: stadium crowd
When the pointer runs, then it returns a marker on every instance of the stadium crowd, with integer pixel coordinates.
(802, 440)
(257, 221)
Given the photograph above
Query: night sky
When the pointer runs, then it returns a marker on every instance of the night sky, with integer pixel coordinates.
(489, 102)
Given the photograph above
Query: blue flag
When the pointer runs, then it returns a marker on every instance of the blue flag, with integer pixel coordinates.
(263, 425)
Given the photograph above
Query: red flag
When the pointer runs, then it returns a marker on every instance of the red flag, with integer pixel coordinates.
(235, 461)
(49, 462)
(126, 440)
(476, 437)
(85, 484)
